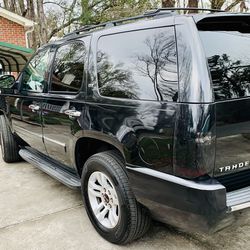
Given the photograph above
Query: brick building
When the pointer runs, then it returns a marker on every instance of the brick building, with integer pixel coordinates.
(14, 51)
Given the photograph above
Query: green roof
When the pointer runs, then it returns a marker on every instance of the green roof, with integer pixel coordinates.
(16, 47)
(14, 57)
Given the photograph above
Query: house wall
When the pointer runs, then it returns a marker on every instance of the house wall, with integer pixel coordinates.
(11, 32)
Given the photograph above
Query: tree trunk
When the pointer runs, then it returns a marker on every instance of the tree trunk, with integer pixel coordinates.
(41, 20)
(217, 4)
(31, 15)
(12, 6)
(30, 10)
(21, 7)
(6, 4)
(168, 3)
(193, 4)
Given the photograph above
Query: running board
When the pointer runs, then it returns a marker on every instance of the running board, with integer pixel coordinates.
(238, 199)
(54, 170)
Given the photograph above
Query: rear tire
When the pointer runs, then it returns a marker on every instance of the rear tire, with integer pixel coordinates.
(9, 146)
(113, 209)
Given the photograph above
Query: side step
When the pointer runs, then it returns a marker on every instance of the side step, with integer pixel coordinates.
(54, 170)
(238, 199)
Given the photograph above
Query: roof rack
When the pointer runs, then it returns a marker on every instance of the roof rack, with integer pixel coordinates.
(148, 14)
(116, 22)
(184, 8)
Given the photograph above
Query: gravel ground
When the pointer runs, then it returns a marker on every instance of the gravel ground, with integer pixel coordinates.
(38, 212)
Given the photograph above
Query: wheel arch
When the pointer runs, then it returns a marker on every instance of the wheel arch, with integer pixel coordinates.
(2, 112)
(89, 145)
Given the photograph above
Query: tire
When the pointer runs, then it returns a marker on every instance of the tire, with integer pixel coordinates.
(2, 108)
(2, 103)
(8, 144)
(125, 219)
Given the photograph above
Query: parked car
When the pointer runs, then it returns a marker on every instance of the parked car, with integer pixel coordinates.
(149, 116)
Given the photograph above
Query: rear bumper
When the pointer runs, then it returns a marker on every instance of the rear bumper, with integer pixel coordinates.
(193, 206)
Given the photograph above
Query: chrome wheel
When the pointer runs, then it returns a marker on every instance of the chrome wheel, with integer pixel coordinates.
(103, 199)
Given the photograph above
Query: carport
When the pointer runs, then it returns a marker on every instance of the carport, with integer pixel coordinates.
(13, 57)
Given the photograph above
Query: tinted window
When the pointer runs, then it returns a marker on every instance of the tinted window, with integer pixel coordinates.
(229, 62)
(138, 65)
(35, 75)
(68, 68)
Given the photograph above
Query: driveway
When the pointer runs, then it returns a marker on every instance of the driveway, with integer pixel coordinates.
(38, 212)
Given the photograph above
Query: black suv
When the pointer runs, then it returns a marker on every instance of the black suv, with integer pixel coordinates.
(150, 116)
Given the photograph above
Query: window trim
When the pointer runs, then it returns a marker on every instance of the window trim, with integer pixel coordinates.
(54, 93)
(129, 31)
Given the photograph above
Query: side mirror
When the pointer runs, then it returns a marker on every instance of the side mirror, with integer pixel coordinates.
(7, 81)
(7, 84)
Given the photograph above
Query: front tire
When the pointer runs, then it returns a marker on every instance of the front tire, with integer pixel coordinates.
(109, 200)
(9, 146)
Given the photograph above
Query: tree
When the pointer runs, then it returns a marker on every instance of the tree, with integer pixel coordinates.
(168, 3)
(42, 25)
(217, 4)
(94, 12)
(69, 17)
(193, 4)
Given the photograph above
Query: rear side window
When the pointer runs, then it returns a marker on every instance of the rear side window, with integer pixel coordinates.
(68, 68)
(227, 51)
(138, 65)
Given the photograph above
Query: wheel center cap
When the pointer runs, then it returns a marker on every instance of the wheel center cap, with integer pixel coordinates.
(106, 198)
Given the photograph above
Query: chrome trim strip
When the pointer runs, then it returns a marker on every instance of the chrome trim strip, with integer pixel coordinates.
(238, 199)
(54, 141)
(178, 180)
(24, 131)
(240, 206)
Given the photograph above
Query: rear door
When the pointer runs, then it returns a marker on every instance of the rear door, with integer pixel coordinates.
(62, 106)
(227, 42)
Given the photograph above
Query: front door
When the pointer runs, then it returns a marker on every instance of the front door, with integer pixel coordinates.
(61, 110)
(27, 123)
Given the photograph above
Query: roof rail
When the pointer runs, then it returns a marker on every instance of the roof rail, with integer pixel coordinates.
(151, 13)
(184, 8)
(118, 22)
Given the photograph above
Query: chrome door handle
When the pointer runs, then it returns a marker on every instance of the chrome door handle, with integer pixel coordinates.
(34, 107)
(72, 113)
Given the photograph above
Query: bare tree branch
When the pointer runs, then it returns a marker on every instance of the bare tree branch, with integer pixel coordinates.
(168, 3)
(233, 4)
(64, 25)
(58, 4)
